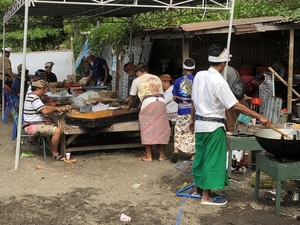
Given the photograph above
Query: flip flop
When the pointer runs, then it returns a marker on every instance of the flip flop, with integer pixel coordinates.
(215, 201)
(166, 158)
(141, 159)
(174, 157)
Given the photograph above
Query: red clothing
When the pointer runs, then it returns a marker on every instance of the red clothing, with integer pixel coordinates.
(250, 89)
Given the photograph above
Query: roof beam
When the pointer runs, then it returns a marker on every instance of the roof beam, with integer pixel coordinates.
(107, 7)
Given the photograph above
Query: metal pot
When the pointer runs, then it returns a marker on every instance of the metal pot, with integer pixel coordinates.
(279, 145)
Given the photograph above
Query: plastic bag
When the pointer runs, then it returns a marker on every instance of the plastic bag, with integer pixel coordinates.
(79, 102)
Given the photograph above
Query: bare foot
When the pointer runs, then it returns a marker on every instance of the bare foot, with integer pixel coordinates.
(163, 158)
(144, 158)
(197, 191)
(192, 158)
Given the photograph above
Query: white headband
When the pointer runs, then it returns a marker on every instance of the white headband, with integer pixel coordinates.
(223, 57)
(189, 67)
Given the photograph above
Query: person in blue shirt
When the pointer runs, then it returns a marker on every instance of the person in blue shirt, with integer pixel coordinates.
(183, 138)
(99, 69)
(16, 83)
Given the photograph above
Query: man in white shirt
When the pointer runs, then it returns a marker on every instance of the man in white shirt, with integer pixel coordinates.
(210, 97)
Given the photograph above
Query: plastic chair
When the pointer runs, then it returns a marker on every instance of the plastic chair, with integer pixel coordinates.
(14, 101)
(42, 141)
(8, 105)
(243, 119)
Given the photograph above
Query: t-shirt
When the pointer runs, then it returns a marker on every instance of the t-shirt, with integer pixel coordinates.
(32, 108)
(51, 77)
(15, 86)
(172, 106)
(250, 89)
(211, 95)
(97, 67)
(180, 90)
(7, 65)
(147, 85)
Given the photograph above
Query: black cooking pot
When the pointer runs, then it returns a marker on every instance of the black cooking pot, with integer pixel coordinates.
(279, 145)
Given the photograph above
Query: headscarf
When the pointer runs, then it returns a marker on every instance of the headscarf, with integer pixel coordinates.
(186, 67)
(165, 77)
(223, 57)
(40, 83)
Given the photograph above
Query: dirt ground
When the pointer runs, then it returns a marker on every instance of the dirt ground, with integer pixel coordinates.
(100, 186)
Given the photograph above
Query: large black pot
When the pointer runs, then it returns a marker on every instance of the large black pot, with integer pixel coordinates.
(278, 145)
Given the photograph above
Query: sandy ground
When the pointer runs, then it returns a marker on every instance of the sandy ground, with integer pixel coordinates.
(100, 186)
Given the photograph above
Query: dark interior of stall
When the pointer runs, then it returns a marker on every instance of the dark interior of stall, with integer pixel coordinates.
(250, 52)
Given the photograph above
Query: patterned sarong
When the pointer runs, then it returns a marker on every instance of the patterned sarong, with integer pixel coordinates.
(209, 166)
(154, 124)
(183, 138)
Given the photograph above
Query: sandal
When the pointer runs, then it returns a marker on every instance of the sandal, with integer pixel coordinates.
(57, 157)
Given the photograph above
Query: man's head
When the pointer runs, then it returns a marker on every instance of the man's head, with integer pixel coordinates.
(39, 86)
(19, 69)
(189, 65)
(48, 66)
(7, 51)
(258, 78)
(129, 69)
(89, 55)
(140, 69)
(86, 62)
(218, 56)
(166, 80)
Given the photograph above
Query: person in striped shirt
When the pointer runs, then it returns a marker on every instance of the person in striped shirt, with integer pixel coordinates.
(34, 120)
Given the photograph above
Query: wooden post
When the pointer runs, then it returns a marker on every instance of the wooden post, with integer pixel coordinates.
(291, 67)
(185, 48)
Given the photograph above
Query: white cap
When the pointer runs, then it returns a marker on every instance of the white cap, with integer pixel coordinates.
(88, 53)
(8, 49)
(49, 64)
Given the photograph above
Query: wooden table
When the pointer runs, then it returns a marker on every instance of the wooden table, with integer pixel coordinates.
(70, 132)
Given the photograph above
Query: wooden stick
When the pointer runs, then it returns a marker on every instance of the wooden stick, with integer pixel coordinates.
(278, 131)
(283, 81)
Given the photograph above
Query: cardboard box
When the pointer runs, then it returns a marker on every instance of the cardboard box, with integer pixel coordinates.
(57, 90)
(71, 78)
(75, 90)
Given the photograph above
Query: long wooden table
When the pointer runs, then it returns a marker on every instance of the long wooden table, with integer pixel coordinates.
(69, 133)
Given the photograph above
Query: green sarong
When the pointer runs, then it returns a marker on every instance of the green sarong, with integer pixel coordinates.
(209, 166)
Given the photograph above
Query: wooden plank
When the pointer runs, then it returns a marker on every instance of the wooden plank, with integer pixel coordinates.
(125, 126)
(117, 127)
(104, 147)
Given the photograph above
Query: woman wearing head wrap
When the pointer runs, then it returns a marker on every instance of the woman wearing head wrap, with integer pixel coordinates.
(172, 106)
(210, 97)
(153, 119)
(183, 138)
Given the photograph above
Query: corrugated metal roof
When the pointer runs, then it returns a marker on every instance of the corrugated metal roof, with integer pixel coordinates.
(249, 25)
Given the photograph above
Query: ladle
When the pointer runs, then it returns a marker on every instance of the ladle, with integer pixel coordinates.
(278, 131)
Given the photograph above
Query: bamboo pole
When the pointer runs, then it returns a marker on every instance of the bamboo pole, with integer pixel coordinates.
(283, 81)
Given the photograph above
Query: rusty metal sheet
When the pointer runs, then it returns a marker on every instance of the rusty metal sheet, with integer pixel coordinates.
(273, 109)
(225, 23)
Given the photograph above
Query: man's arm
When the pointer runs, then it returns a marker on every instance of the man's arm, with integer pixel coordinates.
(264, 121)
(51, 109)
(105, 67)
(192, 121)
(89, 78)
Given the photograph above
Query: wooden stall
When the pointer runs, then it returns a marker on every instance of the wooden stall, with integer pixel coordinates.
(94, 123)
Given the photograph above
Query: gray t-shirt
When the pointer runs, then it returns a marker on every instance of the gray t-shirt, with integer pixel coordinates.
(232, 74)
